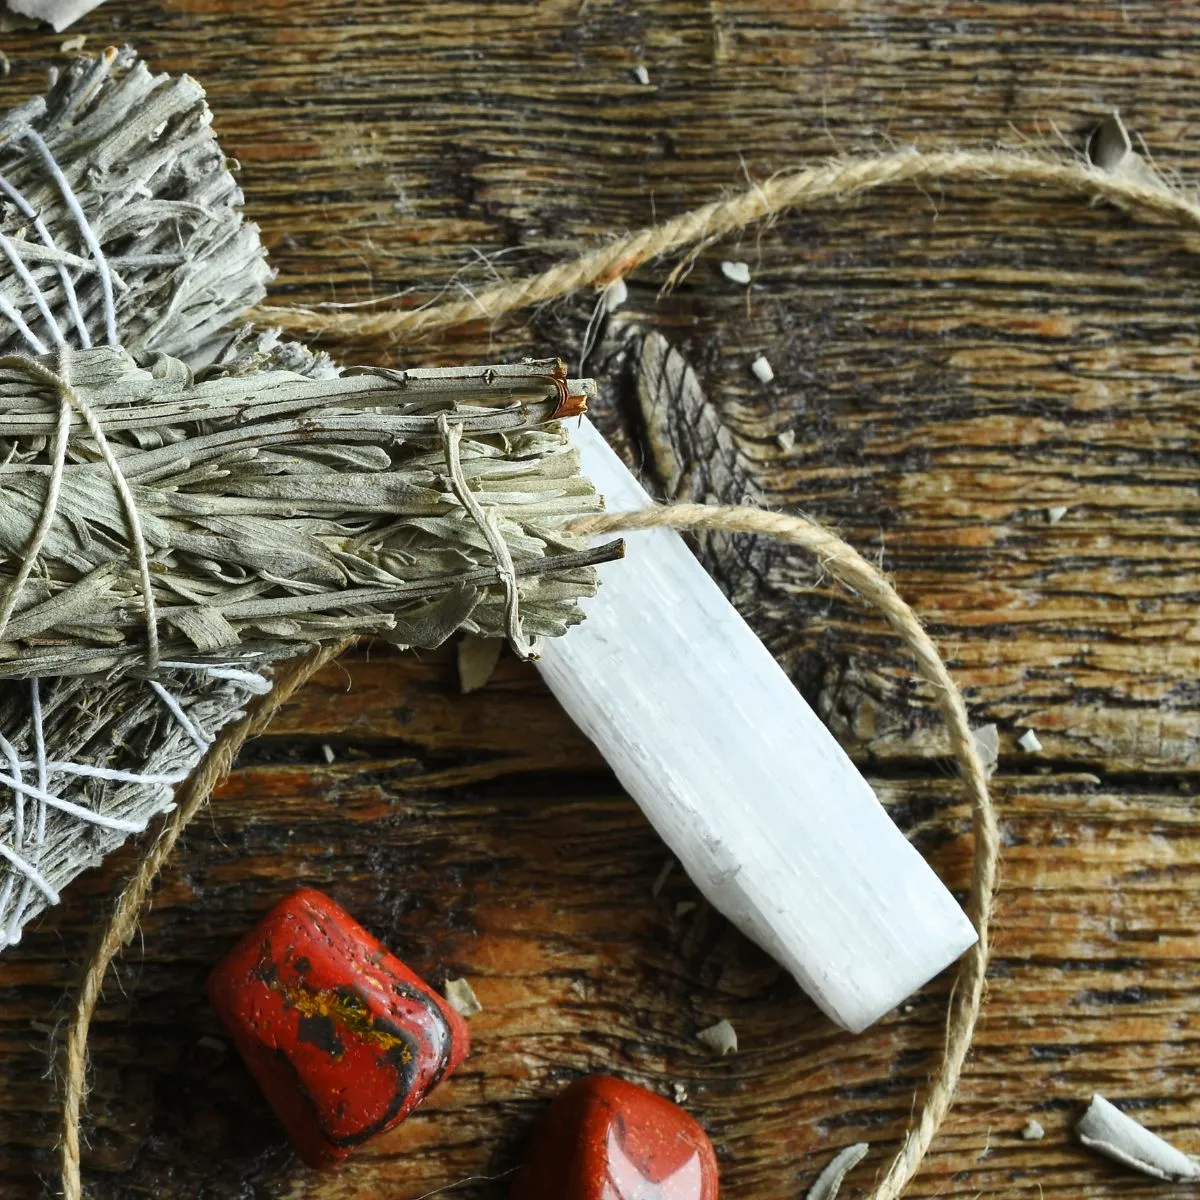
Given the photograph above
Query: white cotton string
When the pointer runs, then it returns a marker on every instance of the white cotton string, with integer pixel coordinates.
(86, 771)
(106, 285)
(18, 837)
(451, 432)
(12, 935)
(14, 765)
(75, 810)
(30, 338)
(258, 685)
(7, 936)
(39, 752)
(31, 284)
(189, 727)
(27, 209)
(30, 872)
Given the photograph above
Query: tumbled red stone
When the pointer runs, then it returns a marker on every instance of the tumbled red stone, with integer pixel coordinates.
(604, 1139)
(344, 1040)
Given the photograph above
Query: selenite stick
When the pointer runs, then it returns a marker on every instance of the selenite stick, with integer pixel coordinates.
(744, 783)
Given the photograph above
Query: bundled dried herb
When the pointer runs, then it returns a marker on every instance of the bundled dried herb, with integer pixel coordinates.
(275, 510)
(119, 222)
(182, 502)
(120, 219)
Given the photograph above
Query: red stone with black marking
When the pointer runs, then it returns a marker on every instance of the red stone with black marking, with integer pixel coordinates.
(344, 1040)
(605, 1139)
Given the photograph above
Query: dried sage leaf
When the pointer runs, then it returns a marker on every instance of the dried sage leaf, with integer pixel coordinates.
(477, 659)
(830, 1180)
(460, 995)
(1105, 1128)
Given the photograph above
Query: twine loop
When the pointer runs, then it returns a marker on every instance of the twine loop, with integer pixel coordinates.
(70, 401)
(488, 522)
(842, 561)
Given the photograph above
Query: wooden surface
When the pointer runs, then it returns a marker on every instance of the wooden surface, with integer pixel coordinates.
(951, 363)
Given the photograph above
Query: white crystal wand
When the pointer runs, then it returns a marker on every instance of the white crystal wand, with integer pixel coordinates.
(744, 783)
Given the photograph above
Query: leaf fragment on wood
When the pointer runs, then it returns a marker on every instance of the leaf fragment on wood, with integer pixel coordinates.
(477, 659)
(1030, 742)
(987, 743)
(460, 995)
(1107, 1130)
(763, 371)
(615, 294)
(694, 451)
(720, 1038)
(830, 1180)
(660, 880)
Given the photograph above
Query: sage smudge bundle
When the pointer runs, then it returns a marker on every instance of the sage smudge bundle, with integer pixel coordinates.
(183, 502)
(120, 218)
(276, 511)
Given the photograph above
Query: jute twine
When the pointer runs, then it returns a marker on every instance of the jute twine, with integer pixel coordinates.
(1143, 194)
(122, 920)
(843, 180)
(843, 563)
(846, 565)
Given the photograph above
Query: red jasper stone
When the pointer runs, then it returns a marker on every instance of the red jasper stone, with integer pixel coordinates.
(344, 1040)
(604, 1139)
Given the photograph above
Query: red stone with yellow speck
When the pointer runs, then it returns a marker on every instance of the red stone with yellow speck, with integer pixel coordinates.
(344, 1040)
(605, 1139)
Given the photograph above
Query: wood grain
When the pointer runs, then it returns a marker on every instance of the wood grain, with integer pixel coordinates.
(952, 364)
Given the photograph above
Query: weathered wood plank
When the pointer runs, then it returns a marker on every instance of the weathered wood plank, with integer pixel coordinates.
(952, 365)
(514, 860)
